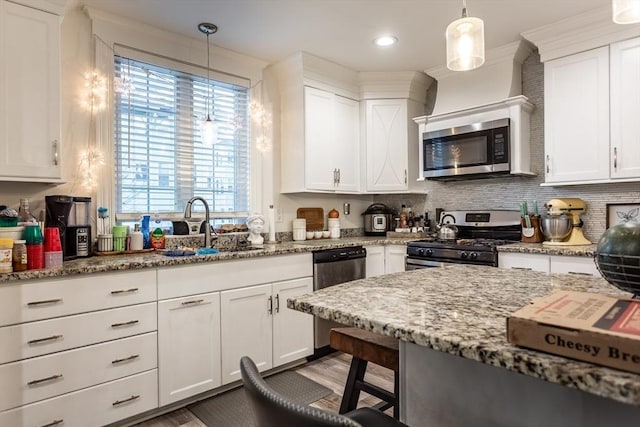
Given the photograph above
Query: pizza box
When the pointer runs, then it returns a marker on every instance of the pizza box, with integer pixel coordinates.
(580, 325)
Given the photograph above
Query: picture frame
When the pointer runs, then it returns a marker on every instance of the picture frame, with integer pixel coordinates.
(618, 213)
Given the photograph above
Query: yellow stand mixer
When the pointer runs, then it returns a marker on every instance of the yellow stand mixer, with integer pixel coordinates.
(572, 207)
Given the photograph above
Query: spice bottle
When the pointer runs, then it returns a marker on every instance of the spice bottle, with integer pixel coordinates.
(19, 255)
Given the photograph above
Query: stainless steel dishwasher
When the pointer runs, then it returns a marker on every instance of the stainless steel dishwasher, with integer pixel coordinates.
(332, 267)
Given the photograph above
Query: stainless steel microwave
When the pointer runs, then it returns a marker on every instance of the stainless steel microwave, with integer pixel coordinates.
(472, 151)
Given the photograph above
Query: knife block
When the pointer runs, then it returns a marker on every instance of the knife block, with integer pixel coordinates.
(533, 234)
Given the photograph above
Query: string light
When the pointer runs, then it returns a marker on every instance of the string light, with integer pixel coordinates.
(91, 161)
(95, 92)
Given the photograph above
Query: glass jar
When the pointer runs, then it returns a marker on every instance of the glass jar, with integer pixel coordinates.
(20, 255)
(6, 248)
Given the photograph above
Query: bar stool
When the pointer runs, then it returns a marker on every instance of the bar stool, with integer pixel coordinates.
(366, 347)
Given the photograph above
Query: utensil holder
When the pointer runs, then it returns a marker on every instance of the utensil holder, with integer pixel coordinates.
(533, 234)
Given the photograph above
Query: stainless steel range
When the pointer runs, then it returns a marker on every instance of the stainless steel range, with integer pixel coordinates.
(479, 233)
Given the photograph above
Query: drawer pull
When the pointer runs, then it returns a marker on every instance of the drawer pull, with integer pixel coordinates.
(522, 268)
(124, 291)
(53, 423)
(44, 302)
(196, 301)
(42, 380)
(129, 323)
(579, 273)
(41, 340)
(120, 402)
(126, 359)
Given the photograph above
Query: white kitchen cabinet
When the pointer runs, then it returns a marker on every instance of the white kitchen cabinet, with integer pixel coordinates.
(256, 322)
(375, 261)
(391, 145)
(331, 145)
(576, 115)
(30, 143)
(578, 265)
(394, 257)
(625, 109)
(188, 346)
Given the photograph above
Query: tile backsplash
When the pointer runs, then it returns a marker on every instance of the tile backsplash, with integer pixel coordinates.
(507, 192)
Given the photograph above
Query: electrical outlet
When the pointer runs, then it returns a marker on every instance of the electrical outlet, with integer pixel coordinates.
(278, 214)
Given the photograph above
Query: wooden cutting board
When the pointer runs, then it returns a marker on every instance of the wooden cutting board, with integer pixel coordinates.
(314, 217)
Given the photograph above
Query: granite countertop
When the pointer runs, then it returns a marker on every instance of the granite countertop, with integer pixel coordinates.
(462, 310)
(97, 264)
(539, 248)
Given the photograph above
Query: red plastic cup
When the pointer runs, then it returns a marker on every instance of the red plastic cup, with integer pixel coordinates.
(52, 239)
(35, 257)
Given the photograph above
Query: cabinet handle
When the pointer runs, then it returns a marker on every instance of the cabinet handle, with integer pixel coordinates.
(42, 380)
(55, 152)
(547, 163)
(579, 273)
(277, 303)
(129, 399)
(130, 322)
(126, 359)
(53, 423)
(270, 309)
(44, 302)
(338, 176)
(335, 177)
(615, 158)
(522, 268)
(124, 291)
(41, 340)
(405, 176)
(192, 302)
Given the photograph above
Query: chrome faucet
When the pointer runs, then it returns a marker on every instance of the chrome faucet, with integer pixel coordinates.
(207, 228)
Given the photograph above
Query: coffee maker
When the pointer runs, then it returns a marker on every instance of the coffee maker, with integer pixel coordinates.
(72, 216)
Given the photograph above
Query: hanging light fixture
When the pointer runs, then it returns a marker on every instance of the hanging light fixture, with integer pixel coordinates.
(465, 42)
(208, 128)
(626, 11)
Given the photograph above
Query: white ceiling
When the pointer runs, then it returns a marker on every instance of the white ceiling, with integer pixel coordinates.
(342, 30)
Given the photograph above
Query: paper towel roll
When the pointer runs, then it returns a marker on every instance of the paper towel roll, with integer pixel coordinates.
(272, 224)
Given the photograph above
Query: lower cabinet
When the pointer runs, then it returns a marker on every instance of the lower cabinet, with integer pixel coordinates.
(578, 265)
(256, 322)
(188, 346)
(375, 261)
(385, 259)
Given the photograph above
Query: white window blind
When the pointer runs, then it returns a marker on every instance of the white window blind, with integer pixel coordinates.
(160, 160)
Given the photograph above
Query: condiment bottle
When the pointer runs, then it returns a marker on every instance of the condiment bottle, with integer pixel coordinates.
(6, 249)
(137, 240)
(19, 255)
(24, 214)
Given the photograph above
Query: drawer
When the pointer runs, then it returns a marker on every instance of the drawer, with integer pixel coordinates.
(94, 406)
(517, 261)
(43, 299)
(43, 377)
(581, 266)
(63, 333)
(176, 282)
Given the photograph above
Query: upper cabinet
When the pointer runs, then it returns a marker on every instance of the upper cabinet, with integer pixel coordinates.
(592, 99)
(30, 144)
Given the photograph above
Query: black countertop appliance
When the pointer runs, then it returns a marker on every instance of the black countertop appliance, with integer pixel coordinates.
(378, 219)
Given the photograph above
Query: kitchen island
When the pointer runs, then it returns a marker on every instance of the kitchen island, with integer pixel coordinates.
(457, 368)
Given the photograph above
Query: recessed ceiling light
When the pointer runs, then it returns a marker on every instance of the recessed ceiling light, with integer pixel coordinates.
(385, 40)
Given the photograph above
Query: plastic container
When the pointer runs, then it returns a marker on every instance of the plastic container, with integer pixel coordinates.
(334, 228)
(137, 240)
(157, 238)
(19, 255)
(35, 247)
(6, 255)
(299, 229)
(53, 259)
(105, 243)
(119, 237)
(15, 233)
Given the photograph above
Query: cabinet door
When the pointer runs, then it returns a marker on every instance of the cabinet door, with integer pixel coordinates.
(581, 266)
(29, 94)
(246, 329)
(517, 261)
(189, 346)
(345, 146)
(292, 330)
(386, 145)
(320, 160)
(375, 261)
(576, 115)
(394, 256)
(625, 109)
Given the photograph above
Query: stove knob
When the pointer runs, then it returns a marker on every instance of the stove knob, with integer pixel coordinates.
(464, 255)
(421, 252)
(473, 255)
(429, 252)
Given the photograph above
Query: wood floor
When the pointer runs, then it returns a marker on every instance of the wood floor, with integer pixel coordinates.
(330, 371)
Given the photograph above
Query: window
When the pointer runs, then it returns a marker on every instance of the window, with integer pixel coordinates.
(160, 161)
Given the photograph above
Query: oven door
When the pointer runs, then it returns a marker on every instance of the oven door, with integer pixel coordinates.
(416, 264)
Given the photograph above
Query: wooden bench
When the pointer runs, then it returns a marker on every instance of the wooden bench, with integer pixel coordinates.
(366, 347)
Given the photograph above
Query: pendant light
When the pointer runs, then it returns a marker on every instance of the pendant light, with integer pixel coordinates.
(465, 42)
(208, 128)
(626, 11)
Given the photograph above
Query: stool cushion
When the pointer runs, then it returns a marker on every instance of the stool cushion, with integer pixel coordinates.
(370, 417)
(375, 348)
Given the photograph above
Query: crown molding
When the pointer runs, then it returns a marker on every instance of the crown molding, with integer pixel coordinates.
(393, 85)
